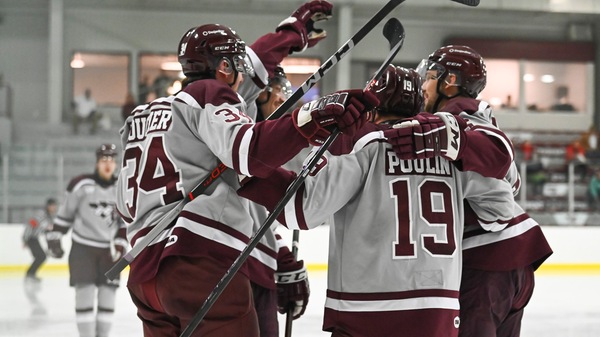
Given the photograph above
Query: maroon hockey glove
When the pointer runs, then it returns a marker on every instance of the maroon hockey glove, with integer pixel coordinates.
(344, 109)
(427, 136)
(54, 244)
(303, 19)
(292, 287)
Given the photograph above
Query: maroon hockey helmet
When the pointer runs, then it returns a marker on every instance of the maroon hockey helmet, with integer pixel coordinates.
(463, 61)
(106, 150)
(399, 92)
(201, 48)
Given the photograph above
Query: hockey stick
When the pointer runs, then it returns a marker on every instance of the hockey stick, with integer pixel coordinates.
(171, 215)
(472, 3)
(289, 318)
(394, 32)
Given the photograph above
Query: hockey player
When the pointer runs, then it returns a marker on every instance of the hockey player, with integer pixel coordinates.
(34, 230)
(265, 92)
(98, 240)
(395, 241)
(171, 144)
(272, 257)
(498, 272)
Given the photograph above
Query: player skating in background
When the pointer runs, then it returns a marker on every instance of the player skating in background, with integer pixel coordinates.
(34, 231)
(170, 145)
(395, 241)
(498, 272)
(98, 240)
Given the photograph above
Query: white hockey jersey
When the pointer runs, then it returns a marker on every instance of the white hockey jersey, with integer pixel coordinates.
(395, 241)
(89, 209)
(522, 237)
(172, 144)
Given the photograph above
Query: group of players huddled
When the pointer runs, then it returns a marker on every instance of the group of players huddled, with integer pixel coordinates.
(426, 239)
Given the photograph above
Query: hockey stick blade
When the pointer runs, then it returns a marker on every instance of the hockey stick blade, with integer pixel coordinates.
(472, 3)
(199, 189)
(294, 186)
(393, 31)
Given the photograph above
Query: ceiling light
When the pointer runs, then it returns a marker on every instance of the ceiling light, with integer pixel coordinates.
(77, 61)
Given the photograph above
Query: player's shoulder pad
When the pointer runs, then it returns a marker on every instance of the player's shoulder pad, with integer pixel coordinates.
(461, 104)
(344, 144)
(211, 91)
(79, 181)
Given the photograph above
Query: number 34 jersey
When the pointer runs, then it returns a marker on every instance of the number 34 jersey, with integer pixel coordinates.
(174, 143)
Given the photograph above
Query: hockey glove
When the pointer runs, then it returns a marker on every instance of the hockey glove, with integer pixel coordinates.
(345, 109)
(427, 136)
(303, 19)
(119, 249)
(292, 288)
(54, 244)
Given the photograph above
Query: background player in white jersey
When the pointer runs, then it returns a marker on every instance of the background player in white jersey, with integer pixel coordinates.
(98, 232)
(173, 143)
(395, 241)
(498, 278)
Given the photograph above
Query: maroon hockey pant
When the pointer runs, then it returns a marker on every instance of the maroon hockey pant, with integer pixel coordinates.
(167, 303)
(492, 302)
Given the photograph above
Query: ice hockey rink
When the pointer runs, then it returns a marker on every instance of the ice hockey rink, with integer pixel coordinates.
(562, 306)
(565, 303)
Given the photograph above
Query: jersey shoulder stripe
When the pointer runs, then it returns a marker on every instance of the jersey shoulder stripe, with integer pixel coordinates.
(80, 181)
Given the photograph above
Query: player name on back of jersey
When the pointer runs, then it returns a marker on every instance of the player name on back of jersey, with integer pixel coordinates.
(143, 124)
(436, 166)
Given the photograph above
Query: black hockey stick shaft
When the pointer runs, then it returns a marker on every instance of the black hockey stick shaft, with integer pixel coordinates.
(294, 186)
(472, 3)
(199, 189)
(289, 318)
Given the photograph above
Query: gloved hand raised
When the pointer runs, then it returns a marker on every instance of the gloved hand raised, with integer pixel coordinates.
(427, 136)
(345, 109)
(292, 288)
(54, 244)
(303, 19)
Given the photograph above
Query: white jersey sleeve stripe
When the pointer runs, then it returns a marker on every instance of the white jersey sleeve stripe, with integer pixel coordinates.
(289, 211)
(243, 152)
(188, 99)
(507, 233)
(504, 141)
(260, 71)
(225, 239)
(366, 139)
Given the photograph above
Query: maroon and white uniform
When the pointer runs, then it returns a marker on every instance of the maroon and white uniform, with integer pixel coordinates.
(496, 263)
(522, 237)
(264, 54)
(89, 210)
(395, 242)
(182, 138)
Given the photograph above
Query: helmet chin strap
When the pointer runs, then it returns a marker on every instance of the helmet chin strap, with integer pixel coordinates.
(442, 96)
